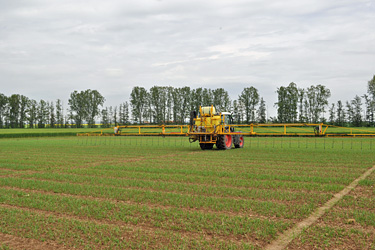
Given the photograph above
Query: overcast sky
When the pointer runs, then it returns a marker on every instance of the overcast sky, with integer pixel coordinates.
(50, 48)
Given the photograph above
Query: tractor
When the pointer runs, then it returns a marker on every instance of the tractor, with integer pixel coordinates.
(210, 127)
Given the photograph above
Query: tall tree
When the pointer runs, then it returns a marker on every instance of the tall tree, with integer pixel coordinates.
(249, 97)
(301, 98)
(235, 112)
(115, 116)
(317, 97)
(24, 103)
(221, 99)
(349, 112)
(14, 102)
(196, 99)
(78, 107)
(94, 99)
(207, 97)
(332, 114)
(3, 108)
(59, 113)
(126, 113)
(33, 113)
(85, 106)
(287, 103)
(105, 118)
(137, 101)
(340, 120)
(262, 117)
(52, 118)
(370, 103)
(357, 111)
(43, 114)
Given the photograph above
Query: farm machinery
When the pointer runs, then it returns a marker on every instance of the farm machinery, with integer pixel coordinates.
(210, 127)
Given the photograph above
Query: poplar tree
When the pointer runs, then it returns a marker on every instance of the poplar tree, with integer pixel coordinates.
(138, 102)
(249, 97)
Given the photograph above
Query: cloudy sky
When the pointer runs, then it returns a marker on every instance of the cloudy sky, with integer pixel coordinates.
(50, 48)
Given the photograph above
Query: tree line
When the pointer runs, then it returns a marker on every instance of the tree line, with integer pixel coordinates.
(170, 105)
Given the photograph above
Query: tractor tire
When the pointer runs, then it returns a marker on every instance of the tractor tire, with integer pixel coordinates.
(240, 143)
(224, 142)
(206, 146)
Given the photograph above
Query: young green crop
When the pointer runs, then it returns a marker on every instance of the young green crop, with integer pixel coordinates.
(139, 192)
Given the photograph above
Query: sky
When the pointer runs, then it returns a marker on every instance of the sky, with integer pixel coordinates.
(50, 48)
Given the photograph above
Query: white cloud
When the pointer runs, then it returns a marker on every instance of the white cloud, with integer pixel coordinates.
(79, 44)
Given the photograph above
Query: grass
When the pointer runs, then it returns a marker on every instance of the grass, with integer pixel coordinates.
(154, 192)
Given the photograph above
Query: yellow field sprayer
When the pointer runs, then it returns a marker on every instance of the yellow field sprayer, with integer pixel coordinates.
(210, 127)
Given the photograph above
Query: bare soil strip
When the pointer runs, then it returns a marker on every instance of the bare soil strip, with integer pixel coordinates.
(283, 240)
(15, 242)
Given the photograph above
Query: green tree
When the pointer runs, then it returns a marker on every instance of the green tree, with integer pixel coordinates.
(24, 103)
(349, 112)
(14, 102)
(370, 102)
(340, 120)
(85, 106)
(332, 114)
(196, 99)
(287, 103)
(3, 108)
(317, 97)
(357, 111)
(78, 107)
(52, 118)
(262, 116)
(207, 97)
(124, 113)
(115, 116)
(138, 102)
(221, 99)
(180, 98)
(301, 101)
(43, 114)
(105, 118)
(93, 100)
(33, 113)
(59, 113)
(249, 97)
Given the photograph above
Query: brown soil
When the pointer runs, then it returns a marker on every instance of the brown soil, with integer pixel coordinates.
(15, 242)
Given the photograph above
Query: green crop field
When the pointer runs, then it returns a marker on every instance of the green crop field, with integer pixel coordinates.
(164, 193)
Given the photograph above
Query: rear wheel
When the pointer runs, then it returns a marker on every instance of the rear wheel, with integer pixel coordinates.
(240, 143)
(206, 146)
(224, 142)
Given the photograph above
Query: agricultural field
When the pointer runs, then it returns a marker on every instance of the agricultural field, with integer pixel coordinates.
(164, 193)
(44, 132)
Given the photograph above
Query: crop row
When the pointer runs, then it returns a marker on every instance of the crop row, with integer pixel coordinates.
(266, 208)
(209, 180)
(88, 235)
(357, 202)
(168, 219)
(205, 190)
(220, 174)
(333, 237)
(189, 166)
(361, 216)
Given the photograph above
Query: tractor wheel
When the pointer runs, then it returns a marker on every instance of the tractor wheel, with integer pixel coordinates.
(206, 146)
(224, 142)
(241, 142)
